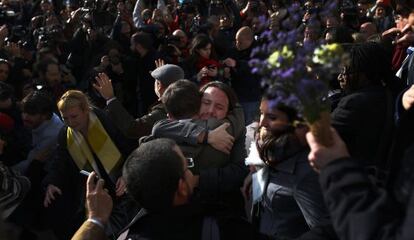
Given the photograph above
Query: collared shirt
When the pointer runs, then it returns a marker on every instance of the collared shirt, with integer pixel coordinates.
(45, 135)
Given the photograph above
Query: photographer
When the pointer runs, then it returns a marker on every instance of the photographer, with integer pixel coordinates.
(122, 29)
(140, 5)
(170, 52)
(87, 47)
(112, 64)
(201, 67)
(245, 84)
(13, 65)
(252, 9)
(50, 78)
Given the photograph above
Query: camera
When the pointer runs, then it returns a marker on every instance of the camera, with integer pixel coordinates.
(7, 15)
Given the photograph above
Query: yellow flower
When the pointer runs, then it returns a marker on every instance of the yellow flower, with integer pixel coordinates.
(274, 59)
(278, 56)
(327, 53)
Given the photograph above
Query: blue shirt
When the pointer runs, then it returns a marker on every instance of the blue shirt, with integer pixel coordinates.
(45, 135)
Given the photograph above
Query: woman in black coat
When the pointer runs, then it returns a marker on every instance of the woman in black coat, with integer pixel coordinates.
(363, 117)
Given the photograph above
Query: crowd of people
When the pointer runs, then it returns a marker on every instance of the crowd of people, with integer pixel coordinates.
(156, 102)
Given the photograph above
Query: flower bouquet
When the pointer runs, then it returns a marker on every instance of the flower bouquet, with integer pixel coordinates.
(297, 74)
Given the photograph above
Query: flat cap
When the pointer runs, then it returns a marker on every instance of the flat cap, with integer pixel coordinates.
(168, 74)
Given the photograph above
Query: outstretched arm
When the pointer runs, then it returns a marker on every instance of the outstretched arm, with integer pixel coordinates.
(359, 209)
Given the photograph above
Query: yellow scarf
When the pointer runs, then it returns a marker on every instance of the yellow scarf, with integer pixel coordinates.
(99, 142)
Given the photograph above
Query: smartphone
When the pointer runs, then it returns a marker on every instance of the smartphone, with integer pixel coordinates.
(86, 173)
(211, 66)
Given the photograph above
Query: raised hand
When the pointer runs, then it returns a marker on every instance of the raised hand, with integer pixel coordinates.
(159, 62)
(104, 86)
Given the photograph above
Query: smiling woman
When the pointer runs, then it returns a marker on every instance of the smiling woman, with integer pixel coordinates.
(287, 200)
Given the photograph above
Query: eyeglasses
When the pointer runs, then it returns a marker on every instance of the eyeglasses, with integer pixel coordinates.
(346, 72)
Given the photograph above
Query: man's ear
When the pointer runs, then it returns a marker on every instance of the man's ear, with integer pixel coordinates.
(159, 86)
(181, 194)
(169, 116)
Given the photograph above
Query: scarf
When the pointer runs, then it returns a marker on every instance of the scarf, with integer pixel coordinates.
(100, 143)
(204, 62)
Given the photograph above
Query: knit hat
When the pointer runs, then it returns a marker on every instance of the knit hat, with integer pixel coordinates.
(168, 74)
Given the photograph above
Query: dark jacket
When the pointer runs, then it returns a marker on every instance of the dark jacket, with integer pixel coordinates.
(64, 168)
(134, 128)
(363, 119)
(287, 199)
(245, 84)
(69, 208)
(221, 175)
(190, 222)
(360, 210)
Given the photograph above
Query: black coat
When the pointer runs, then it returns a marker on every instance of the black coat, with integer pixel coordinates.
(187, 222)
(245, 84)
(67, 212)
(363, 120)
(360, 210)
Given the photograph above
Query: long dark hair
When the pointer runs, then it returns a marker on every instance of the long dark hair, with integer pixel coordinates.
(275, 149)
(231, 95)
(200, 41)
(282, 143)
(371, 60)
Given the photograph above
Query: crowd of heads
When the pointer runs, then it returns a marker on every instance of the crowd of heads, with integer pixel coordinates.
(52, 53)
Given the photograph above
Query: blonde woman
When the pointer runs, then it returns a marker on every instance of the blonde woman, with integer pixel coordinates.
(88, 142)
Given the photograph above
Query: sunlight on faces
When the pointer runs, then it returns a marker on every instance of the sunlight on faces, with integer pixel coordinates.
(271, 119)
(76, 118)
(214, 104)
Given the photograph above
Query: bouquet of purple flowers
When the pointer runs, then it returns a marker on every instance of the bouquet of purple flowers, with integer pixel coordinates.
(297, 73)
